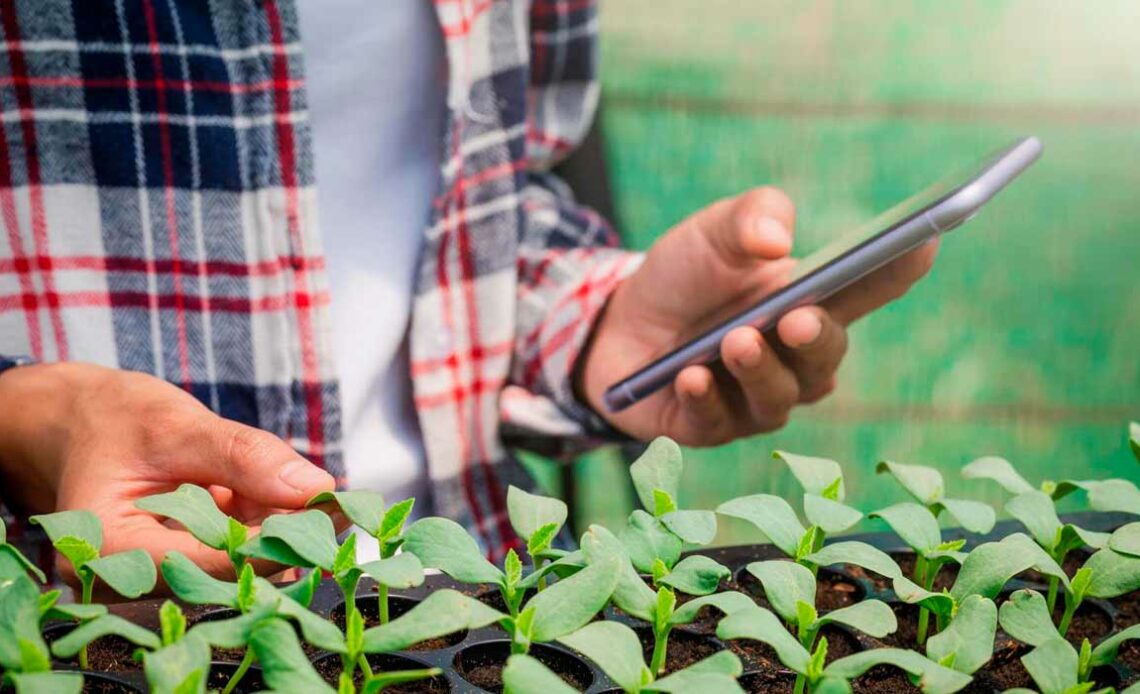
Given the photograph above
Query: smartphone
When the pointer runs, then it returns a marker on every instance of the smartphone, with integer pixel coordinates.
(903, 228)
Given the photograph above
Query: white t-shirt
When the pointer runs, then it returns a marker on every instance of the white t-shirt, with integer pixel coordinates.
(376, 85)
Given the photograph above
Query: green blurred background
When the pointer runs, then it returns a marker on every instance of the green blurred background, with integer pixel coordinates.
(1025, 340)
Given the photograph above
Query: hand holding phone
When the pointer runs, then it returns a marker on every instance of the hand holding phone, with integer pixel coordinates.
(721, 264)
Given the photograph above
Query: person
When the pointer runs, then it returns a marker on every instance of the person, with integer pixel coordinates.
(172, 311)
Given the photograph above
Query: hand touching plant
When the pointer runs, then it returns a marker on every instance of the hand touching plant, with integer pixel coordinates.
(366, 510)
(1055, 666)
(926, 486)
(822, 481)
(759, 624)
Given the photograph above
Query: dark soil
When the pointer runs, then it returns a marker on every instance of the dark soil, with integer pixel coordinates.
(833, 590)
(220, 674)
(1004, 671)
(370, 609)
(95, 684)
(1128, 606)
(482, 665)
(883, 679)
(108, 654)
(907, 634)
(768, 681)
(1129, 657)
(329, 667)
(1089, 622)
(684, 649)
(840, 643)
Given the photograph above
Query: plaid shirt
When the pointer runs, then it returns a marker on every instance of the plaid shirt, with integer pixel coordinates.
(157, 195)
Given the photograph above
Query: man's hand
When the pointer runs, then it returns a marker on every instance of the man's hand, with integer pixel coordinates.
(77, 436)
(714, 264)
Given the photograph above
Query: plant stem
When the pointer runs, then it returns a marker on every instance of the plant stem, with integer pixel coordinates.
(660, 645)
(1071, 605)
(799, 686)
(542, 579)
(348, 590)
(382, 602)
(365, 667)
(88, 583)
(240, 672)
(1052, 600)
(925, 577)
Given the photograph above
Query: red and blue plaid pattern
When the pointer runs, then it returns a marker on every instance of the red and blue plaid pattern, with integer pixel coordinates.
(157, 198)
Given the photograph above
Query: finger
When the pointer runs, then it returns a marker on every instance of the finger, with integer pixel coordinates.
(255, 465)
(706, 415)
(768, 385)
(756, 225)
(814, 347)
(882, 286)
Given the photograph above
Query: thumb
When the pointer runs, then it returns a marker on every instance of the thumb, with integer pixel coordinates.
(755, 225)
(263, 469)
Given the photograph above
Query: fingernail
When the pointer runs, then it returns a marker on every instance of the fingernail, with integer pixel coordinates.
(812, 328)
(770, 232)
(303, 476)
(751, 357)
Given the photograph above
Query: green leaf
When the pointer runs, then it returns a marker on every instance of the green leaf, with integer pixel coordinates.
(1113, 574)
(272, 550)
(401, 571)
(663, 503)
(345, 560)
(872, 617)
(693, 527)
(875, 560)
(172, 622)
(178, 668)
(932, 677)
(830, 516)
(47, 682)
(1112, 495)
(727, 602)
(969, 639)
(22, 648)
(772, 515)
(541, 540)
(195, 509)
(73, 611)
(761, 625)
(284, 665)
(524, 674)
(1126, 540)
(785, 583)
(646, 539)
(1036, 512)
(364, 508)
(236, 535)
(631, 594)
(317, 630)
(80, 524)
(815, 475)
(715, 674)
(923, 483)
(990, 566)
(443, 612)
(76, 550)
(512, 568)
(107, 625)
(1053, 666)
(392, 678)
(394, 519)
(234, 632)
(831, 685)
(129, 574)
(659, 467)
(193, 585)
(1105, 652)
(572, 602)
(13, 562)
(663, 608)
(999, 470)
(696, 575)
(974, 516)
(443, 544)
(529, 512)
(1025, 617)
(302, 590)
(615, 649)
(914, 524)
(310, 534)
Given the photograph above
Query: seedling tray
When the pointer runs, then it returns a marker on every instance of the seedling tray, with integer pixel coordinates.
(463, 657)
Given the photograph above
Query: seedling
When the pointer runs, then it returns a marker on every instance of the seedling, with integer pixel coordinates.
(1104, 495)
(537, 520)
(366, 510)
(983, 575)
(926, 486)
(78, 536)
(917, 526)
(656, 536)
(1054, 664)
(196, 510)
(635, 598)
(13, 562)
(759, 624)
(826, 514)
(25, 662)
(615, 648)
